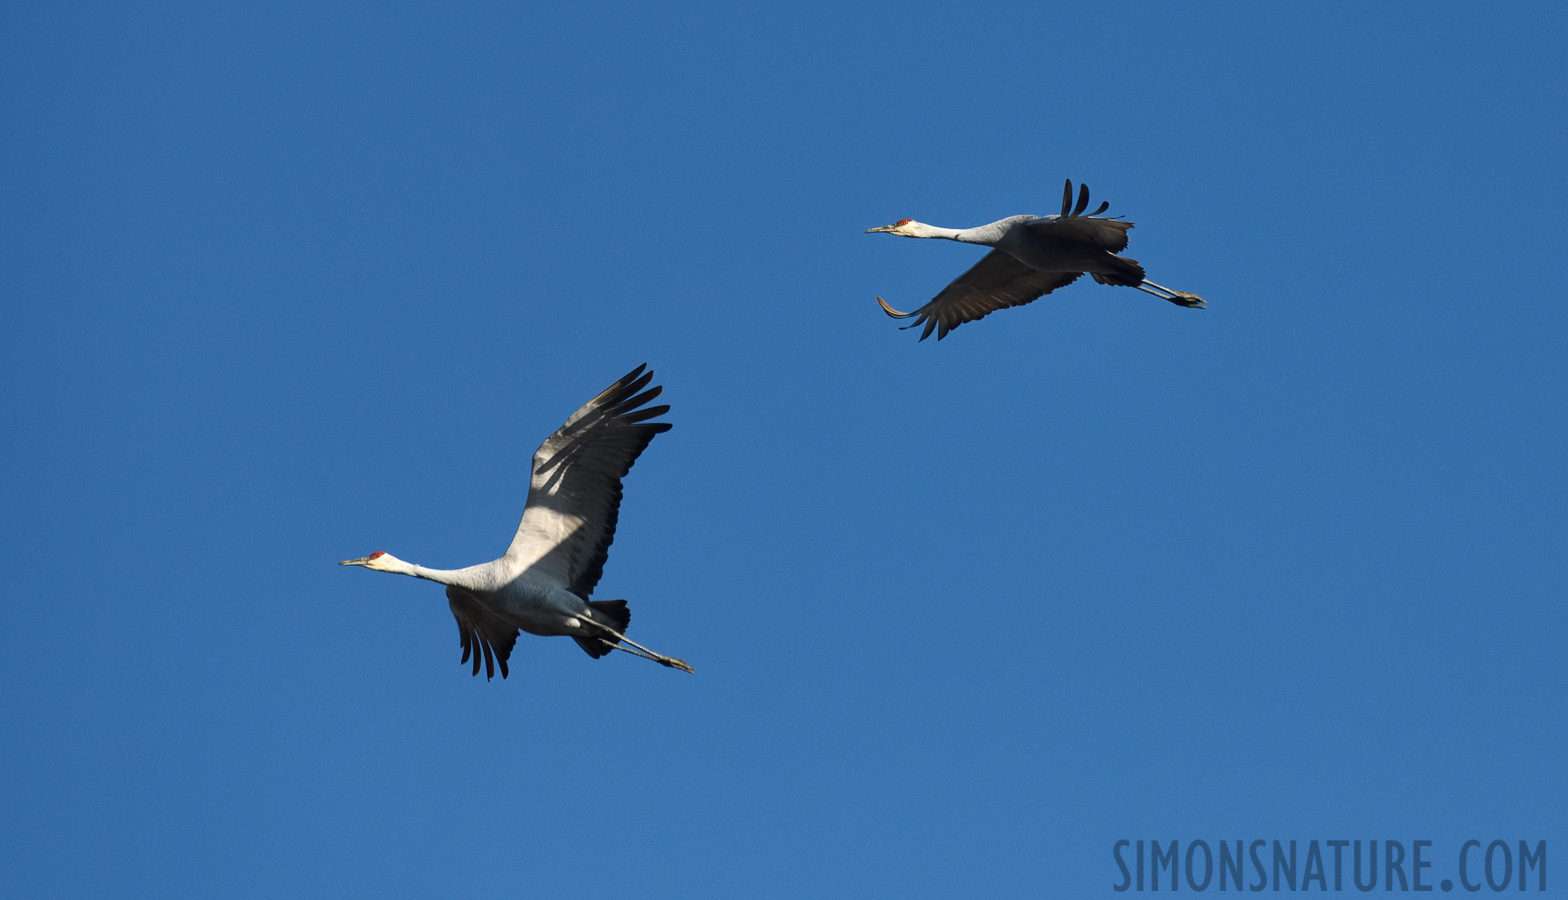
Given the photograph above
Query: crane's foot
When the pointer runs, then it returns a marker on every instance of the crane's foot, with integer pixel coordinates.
(674, 663)
(1190, 301)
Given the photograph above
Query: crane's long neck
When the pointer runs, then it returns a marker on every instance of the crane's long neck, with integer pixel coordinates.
(985, 234)
(389, 563)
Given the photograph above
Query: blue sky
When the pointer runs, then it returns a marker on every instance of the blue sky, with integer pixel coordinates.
(285, 285)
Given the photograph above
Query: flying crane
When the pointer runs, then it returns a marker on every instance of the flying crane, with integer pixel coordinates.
(1032, 256)
(542, 584)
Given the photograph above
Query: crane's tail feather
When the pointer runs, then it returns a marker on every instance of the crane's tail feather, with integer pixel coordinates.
(893, 312)
(1128, 273)
(614, 613)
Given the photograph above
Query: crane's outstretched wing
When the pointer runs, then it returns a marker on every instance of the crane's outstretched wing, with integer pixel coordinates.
(481, 631)
(996, 282)
(1072, 232)
(1077, 232)
(574, 497)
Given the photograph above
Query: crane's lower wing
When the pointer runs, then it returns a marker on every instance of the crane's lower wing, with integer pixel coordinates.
(481, 631)
(996, 282)
(574, 496)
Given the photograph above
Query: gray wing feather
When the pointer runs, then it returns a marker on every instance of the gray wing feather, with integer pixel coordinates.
(574, 496)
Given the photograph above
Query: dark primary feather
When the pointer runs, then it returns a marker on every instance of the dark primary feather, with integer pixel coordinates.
(481, 631)
(574, 497)
(997, 281)
(1083, 201)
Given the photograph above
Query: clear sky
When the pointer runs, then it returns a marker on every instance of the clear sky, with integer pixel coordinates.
(287, 283)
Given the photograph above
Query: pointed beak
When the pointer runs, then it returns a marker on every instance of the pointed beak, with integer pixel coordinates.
(362, 561)
(883, 228)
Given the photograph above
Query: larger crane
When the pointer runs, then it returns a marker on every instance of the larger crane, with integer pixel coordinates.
(542, 584)
(1032, 256)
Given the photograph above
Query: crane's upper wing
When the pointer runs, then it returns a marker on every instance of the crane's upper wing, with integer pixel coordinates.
(574, 497)
(481, 631)
(996, 282)
(1077, 232)
(1073, 231)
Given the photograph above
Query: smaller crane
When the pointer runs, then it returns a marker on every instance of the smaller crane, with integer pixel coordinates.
(1032, 256)
(542, 584)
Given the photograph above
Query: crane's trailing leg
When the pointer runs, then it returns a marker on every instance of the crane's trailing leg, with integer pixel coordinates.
(609, 646)
(659, 658)
(1180, 298)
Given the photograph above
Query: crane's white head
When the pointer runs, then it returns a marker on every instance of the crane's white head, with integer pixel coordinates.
(381, 561)
(902, 228)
